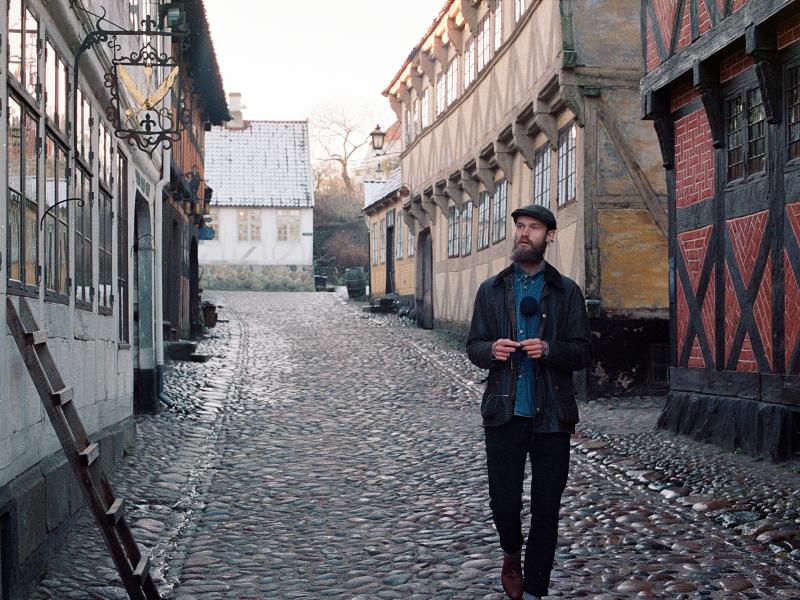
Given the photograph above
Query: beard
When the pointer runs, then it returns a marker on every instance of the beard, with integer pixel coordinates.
(530, 253)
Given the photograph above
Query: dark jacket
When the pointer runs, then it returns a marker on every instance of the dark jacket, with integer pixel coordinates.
(564, 326)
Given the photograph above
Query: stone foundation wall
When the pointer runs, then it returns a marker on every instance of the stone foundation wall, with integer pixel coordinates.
(38, 507)
(278, 278)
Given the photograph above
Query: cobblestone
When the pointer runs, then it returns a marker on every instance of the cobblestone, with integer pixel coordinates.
(326, 453)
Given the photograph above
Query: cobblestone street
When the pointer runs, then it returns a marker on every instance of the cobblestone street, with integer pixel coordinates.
(326, 453)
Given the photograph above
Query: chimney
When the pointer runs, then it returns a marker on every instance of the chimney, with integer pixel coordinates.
(235, 107)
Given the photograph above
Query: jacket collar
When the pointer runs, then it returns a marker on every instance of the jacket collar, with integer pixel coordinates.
(551, 275)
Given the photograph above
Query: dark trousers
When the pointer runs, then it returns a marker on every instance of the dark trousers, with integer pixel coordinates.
(507, 448)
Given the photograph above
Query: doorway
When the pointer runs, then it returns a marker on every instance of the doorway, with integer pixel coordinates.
(145, 387)
(424, 293)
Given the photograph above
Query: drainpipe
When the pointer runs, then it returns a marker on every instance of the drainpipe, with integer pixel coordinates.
(158, 242)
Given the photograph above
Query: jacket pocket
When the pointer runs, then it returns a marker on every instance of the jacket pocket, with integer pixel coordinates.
(567, 408)
(492, 404)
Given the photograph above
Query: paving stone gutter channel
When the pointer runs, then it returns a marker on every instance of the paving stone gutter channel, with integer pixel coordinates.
(757, 499)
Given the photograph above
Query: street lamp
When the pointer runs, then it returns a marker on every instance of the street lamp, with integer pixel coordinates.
(378, 138)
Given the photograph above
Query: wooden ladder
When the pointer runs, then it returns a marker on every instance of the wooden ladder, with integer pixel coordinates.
(83, 456)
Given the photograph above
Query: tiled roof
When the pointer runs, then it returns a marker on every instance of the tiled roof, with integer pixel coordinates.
(378, 190)
(267, 163)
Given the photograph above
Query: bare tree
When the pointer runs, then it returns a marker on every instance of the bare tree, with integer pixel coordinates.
(339, 135)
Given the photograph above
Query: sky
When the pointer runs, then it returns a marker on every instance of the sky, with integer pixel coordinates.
(291, 58)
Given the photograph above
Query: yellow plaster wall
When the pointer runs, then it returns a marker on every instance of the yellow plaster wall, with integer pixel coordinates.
(633, 261)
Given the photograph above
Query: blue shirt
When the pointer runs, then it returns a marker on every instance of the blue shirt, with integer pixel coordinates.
(527, 328)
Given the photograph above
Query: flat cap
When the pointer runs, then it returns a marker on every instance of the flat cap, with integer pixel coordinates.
(537, 211)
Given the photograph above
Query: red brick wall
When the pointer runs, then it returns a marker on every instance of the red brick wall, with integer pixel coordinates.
(792, 290)
(694, 247)
(653, 59)
(737, 4)
(683, 94)
(703, 18)
(685, 33)
(788, 31)
(682, 315)
(746, 234)
(694, 159)
(733, 314)
(733, 65)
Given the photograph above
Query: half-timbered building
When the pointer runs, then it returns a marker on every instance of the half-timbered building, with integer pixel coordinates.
(508, 102)
(722, 86)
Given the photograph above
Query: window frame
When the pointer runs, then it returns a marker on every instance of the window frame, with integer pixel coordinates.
(383, 241)
(498, 29)
(441, 92)
(452, 81)
(287, 220)
(375, 243)
(540, 175)
(410, 243)
(60, 220)
(484, 219)
(499, 211)
(453, 232)
(568, 142)
(84, 240)
(519, 9)
(742, 93)
(466, 221)
(398, 239)
(250, 219)
(484, 44)
(425, 109)
(123, 286)
(470, 71)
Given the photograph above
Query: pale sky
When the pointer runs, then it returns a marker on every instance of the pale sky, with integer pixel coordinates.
(290, 57)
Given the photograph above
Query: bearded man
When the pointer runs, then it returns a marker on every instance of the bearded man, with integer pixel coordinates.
(531, 331)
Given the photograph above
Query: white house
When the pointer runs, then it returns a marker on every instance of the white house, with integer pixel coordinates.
(262, 209)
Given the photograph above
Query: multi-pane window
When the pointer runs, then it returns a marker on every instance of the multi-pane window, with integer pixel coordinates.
(383, 241)
(105, 213)
(84, 125)
(498, 25)
(483, 220)
(746, 134)
(249, 225)
(793, 130)
(288, 225)
(56, 225)
(55, 88)
(374, 243)
(417, 117)
(23, 198)
(469, 63)
(452, 81)
(466, 236)
(541, 176)
(519, 9)
(499, 207)
(398, 239)
(441, 93)
(484, 43)
(409, 129)
(453, 231)
(105, 155)
(410, 242)
(134, 13)
(122, 248)
(566, 164)
(84, 288)
(426, 109)
(23, 40)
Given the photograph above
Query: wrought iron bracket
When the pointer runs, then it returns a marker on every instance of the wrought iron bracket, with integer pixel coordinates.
(81, 202)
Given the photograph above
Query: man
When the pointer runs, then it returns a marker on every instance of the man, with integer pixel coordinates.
(530, 329)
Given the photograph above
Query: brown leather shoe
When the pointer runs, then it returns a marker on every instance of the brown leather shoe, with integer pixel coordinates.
(511, 576)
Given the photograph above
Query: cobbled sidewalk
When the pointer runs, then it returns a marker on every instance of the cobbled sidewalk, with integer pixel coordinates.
(326, 453)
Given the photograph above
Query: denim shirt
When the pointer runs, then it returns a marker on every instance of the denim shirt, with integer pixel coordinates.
(527, 328)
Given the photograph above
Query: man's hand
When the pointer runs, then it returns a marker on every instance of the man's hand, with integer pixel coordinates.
(503, 348)
(535, 348)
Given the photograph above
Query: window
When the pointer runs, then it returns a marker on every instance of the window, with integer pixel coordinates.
(466, 236)
(105, 154)
(426, 109)
(288, 226)
(56, 225)
(498, 25)
(122, 248)
(134, 13)
(452, 81)
(469, 63)
(541, 177)
(84, 285)
(793, 103)
(84, 126)
(519, 9)
(374, 243)
(105, 297)
(746, 134)
(453, 231)
(383, 241)
(499, 213)
(417, 117)
(398, 239)
(484, 44)
(55, 92)
(23, 43)
(409, 127)
(23, 199)
(249, 225)
(483, 220)
(410, 251)
(441, 93)
(566, 165)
